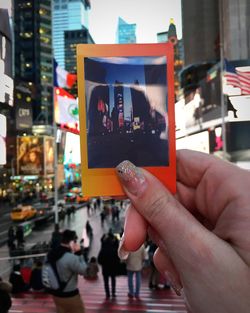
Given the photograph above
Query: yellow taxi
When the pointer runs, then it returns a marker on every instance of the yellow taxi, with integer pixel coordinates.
(81, 198)
(22, 213)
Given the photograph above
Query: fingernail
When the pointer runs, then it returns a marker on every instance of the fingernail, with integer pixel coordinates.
(174, 283)
(122, 253)
(131, 177)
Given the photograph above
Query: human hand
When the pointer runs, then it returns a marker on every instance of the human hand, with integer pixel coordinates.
(203, 232)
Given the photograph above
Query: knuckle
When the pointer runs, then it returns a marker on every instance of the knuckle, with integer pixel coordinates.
(156, 207)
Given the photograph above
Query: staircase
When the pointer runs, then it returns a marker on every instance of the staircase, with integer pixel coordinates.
(93, 295)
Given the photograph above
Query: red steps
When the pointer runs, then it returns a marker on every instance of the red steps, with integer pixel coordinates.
(93, 295)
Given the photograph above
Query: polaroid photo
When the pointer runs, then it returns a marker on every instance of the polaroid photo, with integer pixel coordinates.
(126, 106)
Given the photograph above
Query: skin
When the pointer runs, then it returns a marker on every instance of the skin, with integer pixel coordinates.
(203, 232)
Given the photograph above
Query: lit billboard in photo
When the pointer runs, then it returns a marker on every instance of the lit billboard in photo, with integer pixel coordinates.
(6, 81)
(197, 142)
(2, 139)
(30, 155)
(72, 149)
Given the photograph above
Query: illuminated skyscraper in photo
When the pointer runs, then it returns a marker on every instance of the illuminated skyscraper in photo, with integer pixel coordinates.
(125, 32)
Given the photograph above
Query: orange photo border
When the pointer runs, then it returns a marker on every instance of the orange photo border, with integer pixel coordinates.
(104, 181)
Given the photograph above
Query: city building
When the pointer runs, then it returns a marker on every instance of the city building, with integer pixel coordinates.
(67, 15)
(171, 36)
(71, 39)
(213, 115)
(33, 58)
(125, 32)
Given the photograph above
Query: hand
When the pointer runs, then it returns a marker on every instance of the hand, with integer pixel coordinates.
(203, 232)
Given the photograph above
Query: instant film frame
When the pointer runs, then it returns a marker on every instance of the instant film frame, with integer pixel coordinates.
(126, 104)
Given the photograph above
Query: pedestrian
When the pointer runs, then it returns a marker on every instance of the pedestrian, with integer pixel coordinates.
(89, 230)
(103, 216)
(109, 260)
(56, 237)
(115, 211)
(17, 281)
(20, 237)
(36, 283)
(92, 269)
(5, 298)
(134, 265)
(11, 238)
(68, 265)
(153, 276)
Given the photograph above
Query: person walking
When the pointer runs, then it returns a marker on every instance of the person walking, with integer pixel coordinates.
(134, 264)
(68, 265)
(56, 237)
(109, 260)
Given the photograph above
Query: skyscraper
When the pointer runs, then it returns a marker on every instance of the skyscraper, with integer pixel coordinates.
(72, 38)
(125, 32)
(33, 58)
(67, 15)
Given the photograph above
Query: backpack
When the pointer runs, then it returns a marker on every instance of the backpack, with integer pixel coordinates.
(51, 279)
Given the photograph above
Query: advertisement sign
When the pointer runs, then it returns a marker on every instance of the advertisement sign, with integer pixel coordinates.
(2, 139)
(203, 103)
(30, 155)
(23, 116)
(197, 142)
(240, 108)
(72, 149)
(49, 155)
(6, 81)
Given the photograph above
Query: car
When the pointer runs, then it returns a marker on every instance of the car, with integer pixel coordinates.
(81, 198)
(43, 211)
(70, 197)
(23, 213)
(75, 190)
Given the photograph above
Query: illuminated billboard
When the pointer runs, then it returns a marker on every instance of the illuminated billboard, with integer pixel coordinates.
(197, 142)
(6, 81)
(2, 139)
(35, 155)
(49, 155)
(72, 149)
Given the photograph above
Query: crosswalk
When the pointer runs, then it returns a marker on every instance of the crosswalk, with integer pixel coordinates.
(93, 295)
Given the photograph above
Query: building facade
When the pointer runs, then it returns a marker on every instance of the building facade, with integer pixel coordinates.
(71, 39)
(33, 58)
(67, 15)
(125, 32)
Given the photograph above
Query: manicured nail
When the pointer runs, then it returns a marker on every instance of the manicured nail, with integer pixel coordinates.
(122, 253)
(131, 177)
(174, 283)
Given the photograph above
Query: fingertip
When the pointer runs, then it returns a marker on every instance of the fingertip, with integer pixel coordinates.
(135, 230)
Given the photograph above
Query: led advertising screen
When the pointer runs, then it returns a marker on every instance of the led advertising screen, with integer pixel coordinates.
(2, 139)
(6, 81)
(72, 149)
(35, 155)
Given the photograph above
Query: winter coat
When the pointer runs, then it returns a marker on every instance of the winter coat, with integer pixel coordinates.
(69, 266)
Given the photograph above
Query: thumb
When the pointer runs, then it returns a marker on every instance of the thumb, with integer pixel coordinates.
(181, 236)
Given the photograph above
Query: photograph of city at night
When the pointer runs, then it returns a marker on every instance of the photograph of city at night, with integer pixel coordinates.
(126, 105)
